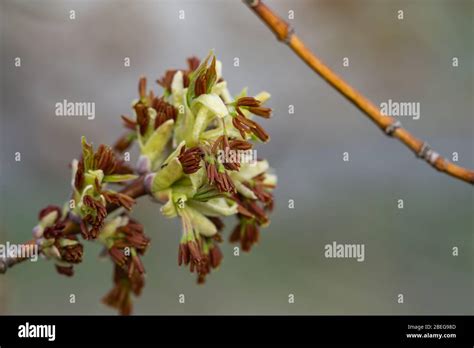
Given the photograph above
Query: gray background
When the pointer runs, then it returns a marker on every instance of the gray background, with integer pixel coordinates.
(407, 251)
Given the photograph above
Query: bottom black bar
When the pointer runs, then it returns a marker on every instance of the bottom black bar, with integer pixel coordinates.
(140, 330)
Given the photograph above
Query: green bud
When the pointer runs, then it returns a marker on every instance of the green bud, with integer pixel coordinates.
(263, 96)
(198, 178)
(270, 179)
(184, 186)
(215, 207)
(192, 82)
(49, 219)
(169, 210)
(200, 223)
(200, 124)
(87, 154)
(249, 171)
(91, 175)
(156, 143)
(168, 175)
(119, 177)
(213, 103)
(67, 242)
(244, 190)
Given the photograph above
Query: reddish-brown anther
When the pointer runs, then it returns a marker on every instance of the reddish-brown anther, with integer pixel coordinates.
(79, 177)
(218, 223)
(84, 230)
(212, 173)
(72, 253)
(222, 144)
(261, 111)
(128, 123)
(121, 167)
(95, 205)
(194, 251)
(261, 189)
(68, 271)
(142, 87)
(193, 63)
(119, 199)
(129, 237)
(189, 252)
(216, 171)
(220, 179)
(247, 233)
(224, 183)
(104, 159)
(251, 236)
(57, 228)
(257, 211)
(190, 159)
(203, 269)
(54, 231)
(247, 101)
(200, 85)
(242, 145)
(250, 209)
(210, 256)
(135, 237)
(215, 256)
(135, 265)
(119, 298)
(95, 219)
(118, 256)
(124, 142)
(228, 163)
(244, 211)
(252, 105)
(124, 285)
(183, 254)
(143, 118)
(247, 126)
(164, 111)
(235, 235)
(167, 79)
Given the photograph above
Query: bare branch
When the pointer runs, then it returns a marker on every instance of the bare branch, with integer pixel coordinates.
(389, 125)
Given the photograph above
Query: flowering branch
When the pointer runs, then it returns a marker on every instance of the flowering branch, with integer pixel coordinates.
(389, 125)
(135, 190)
(196, 158)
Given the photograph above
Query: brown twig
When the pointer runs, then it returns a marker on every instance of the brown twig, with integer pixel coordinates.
(135, 190)
(389, 125)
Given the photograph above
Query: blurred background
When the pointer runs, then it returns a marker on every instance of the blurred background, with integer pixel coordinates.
(407, 251)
